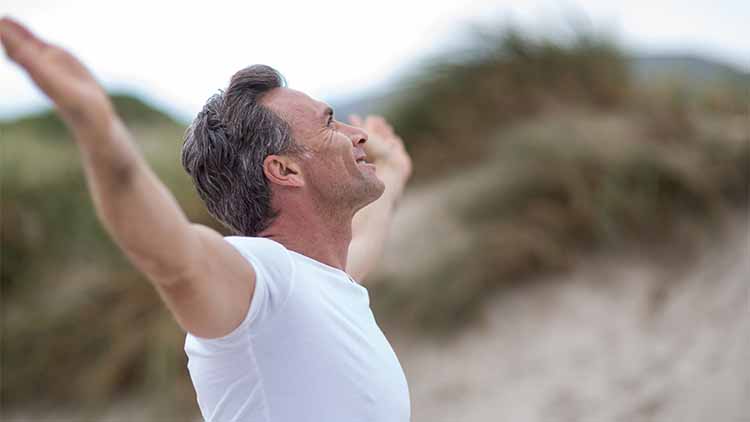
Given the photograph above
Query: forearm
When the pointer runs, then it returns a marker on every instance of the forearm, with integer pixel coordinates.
(133, 205)
(370, 227)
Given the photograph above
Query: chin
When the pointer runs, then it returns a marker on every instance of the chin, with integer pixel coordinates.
(371, 192)
(381, 188)
(377, 188)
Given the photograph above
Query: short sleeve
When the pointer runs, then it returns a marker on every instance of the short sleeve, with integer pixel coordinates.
(274, 281)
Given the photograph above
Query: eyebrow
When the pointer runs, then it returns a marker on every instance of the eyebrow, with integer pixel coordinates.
(327, 112)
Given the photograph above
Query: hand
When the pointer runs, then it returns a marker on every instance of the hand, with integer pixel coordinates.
(384, 147)
(80, 100)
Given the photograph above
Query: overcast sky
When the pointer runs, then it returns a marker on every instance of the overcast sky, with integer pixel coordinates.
(178, 53)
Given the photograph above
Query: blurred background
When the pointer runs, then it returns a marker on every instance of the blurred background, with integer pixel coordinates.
(574, 245)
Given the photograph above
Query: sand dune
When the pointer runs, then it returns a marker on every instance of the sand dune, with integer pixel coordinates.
(625, 338)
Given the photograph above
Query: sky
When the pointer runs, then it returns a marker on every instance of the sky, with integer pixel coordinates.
(177, 54)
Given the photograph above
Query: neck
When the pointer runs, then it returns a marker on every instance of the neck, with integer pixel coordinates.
(322, 235)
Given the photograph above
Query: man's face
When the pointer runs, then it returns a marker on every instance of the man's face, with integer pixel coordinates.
(333, 166)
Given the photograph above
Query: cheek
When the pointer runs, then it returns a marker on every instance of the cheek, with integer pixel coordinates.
(331, 160)
(322, 170)
(337, 157)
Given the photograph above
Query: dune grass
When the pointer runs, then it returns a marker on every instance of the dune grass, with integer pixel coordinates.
(448, 107)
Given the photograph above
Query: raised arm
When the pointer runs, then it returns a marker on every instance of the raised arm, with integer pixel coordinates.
(205, 282)
(370, 225)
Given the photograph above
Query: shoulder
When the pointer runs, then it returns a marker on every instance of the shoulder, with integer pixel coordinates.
(257, 245)
(263, 251)
(264, 255)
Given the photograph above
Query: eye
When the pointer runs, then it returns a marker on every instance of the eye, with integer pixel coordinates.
(330, 119)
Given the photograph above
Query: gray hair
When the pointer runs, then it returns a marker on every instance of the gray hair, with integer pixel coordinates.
(225, 147)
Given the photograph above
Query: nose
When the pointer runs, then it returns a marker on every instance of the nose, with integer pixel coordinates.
(357, 135)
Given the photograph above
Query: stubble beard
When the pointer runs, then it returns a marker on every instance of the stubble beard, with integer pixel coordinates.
(372, 191)
(350, 198)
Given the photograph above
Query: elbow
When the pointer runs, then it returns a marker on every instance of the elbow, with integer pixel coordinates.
(161, 271)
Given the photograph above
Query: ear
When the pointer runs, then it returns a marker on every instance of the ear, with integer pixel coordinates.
(283, 170)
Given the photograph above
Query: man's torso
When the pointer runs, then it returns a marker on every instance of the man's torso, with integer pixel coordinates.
(309, 350)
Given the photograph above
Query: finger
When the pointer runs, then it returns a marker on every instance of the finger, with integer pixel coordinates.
(355, 119)
(376, 118)
(50, 67)
(19, 43)
(384, 123)
(371, 121)
(26, 49)
(379, 124)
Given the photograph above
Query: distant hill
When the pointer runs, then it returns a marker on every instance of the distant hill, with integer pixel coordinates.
(46, 124)
(363, 104)
(687, 68)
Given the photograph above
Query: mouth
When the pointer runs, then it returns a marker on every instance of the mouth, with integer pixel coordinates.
(362, 162)
(361, 159)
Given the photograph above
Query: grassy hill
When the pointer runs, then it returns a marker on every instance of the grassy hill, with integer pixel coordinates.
(46, 125)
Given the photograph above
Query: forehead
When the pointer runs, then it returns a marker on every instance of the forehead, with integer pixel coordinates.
(296, 107)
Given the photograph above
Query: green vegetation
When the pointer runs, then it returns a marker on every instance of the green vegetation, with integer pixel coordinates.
(47, 126)
(575, 156)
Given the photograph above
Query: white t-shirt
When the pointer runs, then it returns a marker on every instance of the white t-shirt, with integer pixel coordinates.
(309, 349)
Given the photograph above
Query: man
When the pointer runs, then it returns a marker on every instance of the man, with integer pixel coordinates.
(279, 328)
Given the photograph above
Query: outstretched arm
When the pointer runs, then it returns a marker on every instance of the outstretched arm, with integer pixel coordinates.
(204, 281)
(370, 225)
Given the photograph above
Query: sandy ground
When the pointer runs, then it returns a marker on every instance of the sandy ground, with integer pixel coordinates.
(624, 338)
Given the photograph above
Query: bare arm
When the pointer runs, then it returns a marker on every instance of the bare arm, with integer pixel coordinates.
(370, 225)
(206, 283)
